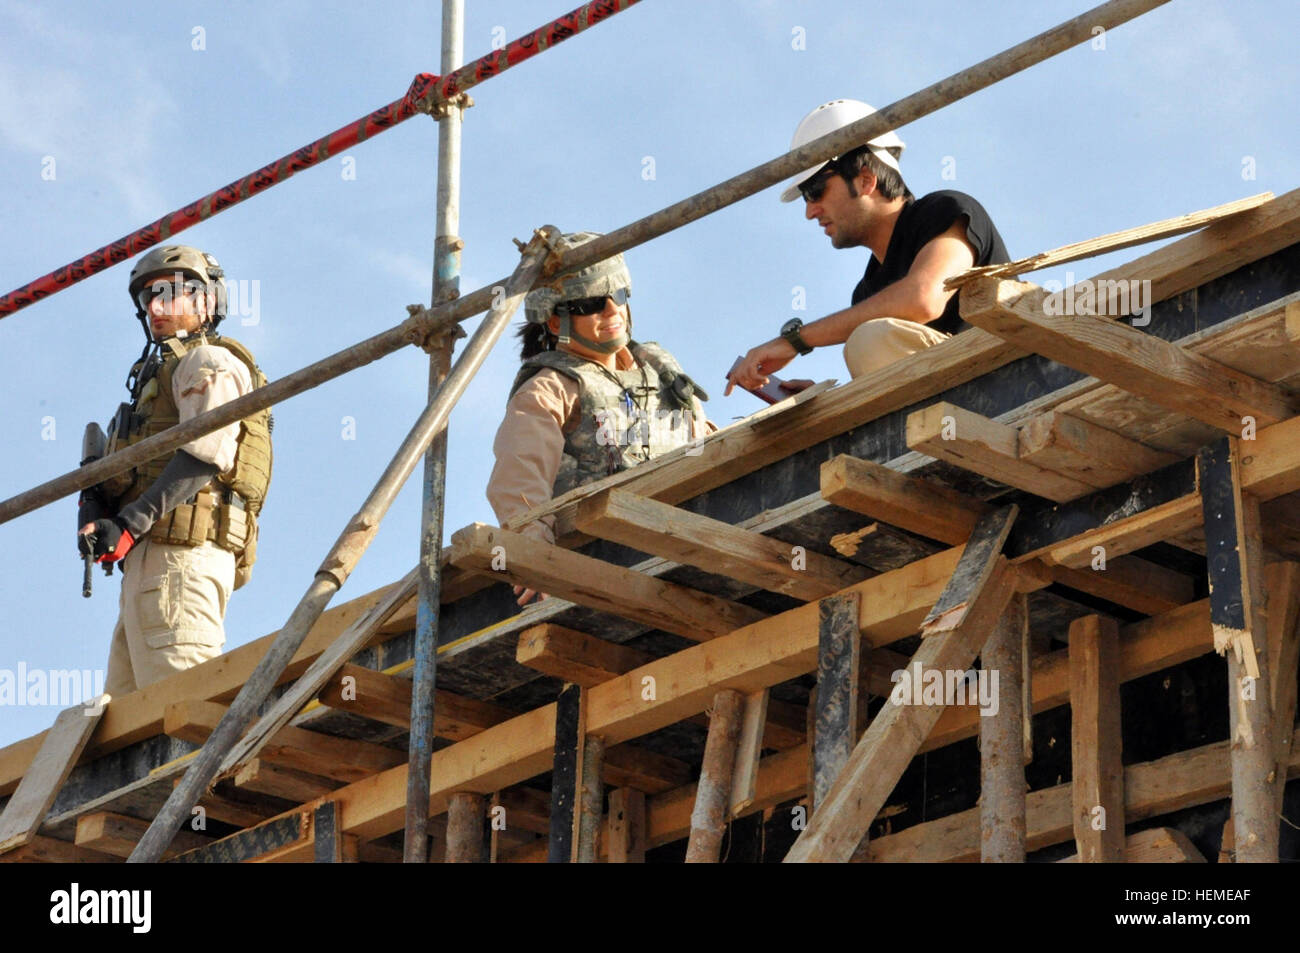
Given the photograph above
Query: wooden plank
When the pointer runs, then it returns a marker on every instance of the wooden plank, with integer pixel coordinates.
(230, 805)
(585, 660)
(662, 530)
(1095, 740)
(1112, 241)
(574, 656)
(599, 585)
(908, 502)
(1002, 764)
(880, 758)
(566, 771)
(837, 690)
(749, 750)
(978, 561)
(1130, 581)
(299, 787)
(466, 813)
(627, 828)
(117, 834)
(1157, 845)
(713, 793)
(526, 809)
(342, 759)
(1088, 453)
(1143, 364)
(330, 845)
(980, 445)
(270, 840)
(387, 698)
(50, 850)
(60, 749)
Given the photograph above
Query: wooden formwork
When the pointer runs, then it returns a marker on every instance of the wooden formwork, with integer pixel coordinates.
(727, 623)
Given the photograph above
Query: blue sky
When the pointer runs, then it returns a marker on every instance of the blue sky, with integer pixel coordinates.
(1173, 115)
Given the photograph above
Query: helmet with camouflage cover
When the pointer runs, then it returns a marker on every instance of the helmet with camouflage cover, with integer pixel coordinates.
(187, 260)
(603, 278)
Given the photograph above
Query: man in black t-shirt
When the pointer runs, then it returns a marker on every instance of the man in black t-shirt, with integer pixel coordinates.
(900, 305)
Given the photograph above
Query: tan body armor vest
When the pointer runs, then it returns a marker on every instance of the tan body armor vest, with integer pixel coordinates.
(225, 511)
(625, 417)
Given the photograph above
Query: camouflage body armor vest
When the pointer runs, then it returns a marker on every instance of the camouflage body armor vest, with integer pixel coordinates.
(225, 511)
(625, 417)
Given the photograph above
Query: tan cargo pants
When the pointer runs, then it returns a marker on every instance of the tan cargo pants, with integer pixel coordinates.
(873, 344)
(171, 608)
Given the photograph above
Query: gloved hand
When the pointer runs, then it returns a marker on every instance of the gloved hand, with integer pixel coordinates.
(107, 540)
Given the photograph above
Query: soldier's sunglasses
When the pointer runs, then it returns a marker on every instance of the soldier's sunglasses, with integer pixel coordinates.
(578, 307)
(813, 189)
(161, 287)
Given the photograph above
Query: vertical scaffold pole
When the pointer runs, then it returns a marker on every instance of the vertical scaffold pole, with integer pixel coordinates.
(446, 287)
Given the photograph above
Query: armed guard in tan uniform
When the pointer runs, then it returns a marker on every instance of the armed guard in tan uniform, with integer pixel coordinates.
(588, 401)
(182, 527)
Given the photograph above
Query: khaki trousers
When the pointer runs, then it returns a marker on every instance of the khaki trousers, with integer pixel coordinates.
(873, 344)
(171, 608)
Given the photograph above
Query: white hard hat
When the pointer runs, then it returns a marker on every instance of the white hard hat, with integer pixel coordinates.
(824, 120)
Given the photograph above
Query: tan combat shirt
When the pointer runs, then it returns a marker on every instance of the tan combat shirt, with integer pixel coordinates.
(208, 377)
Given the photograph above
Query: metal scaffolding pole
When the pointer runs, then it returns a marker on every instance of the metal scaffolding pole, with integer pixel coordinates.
(446, 287)
(341, 559)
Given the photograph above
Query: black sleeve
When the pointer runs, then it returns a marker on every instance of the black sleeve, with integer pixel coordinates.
(183, 476)
(942, 209)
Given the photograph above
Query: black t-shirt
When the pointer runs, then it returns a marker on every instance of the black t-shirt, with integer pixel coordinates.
(927, 218)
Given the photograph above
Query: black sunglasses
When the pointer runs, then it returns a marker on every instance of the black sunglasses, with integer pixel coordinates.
(578, 307)
(813, 189)
(168, 288)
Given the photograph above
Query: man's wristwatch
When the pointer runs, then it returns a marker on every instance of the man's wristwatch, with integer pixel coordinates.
(790, 331)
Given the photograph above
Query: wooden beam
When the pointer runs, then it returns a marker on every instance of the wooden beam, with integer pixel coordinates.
(713, 794)
(911, 503)
(749, 751)
(526, 809)
(329, 844)
(50, 850)
(1129, 581)
(1095, 740)
(342, 759)
(566, 774)
(837, 690)
(597, 584)
(977, 594)
(626, 826)
(1142, 364)
(1002, 763)
(585, 660)
(117, 834)
(672, 533)
(299, 787)
(972, 442)
(387, 698)
(60, 749)
(1113, 241)
(574, 656)
(1085, 451)
(1158, 845)
(465, 830)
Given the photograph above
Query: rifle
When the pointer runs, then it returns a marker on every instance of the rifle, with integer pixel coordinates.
(94, 443)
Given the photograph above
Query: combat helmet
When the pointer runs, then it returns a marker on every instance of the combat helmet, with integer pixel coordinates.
(189, 261)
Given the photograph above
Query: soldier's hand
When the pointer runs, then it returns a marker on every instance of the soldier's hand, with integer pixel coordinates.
(758, 363)
(526, 595)
(107, 540)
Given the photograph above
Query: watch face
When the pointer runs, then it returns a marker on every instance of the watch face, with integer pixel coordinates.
(794, 324)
